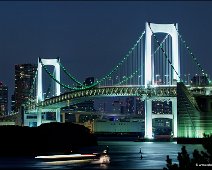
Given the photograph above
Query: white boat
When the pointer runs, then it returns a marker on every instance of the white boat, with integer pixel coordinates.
(101, 157)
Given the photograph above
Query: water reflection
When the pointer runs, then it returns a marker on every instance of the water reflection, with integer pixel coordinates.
(123, 155)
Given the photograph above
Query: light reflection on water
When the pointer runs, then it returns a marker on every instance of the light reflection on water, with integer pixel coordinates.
(123, 155)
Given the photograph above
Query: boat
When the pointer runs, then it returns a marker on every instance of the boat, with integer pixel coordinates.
(67, 157)
(101, 157)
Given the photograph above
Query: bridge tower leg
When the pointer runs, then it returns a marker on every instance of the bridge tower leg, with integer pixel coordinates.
(39, 97)
(148, 118)
(58, 115)
(170, 29)
(174, 112)
(39, 116)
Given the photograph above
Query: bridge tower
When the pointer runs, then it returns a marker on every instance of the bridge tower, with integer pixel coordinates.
(40, 96)
(170, 29)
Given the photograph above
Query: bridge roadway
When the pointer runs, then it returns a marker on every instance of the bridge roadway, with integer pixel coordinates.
(156, 91)
(75, 97)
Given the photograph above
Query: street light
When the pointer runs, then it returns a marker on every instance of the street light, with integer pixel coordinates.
(98, 84)
(139, 83)
(157, 75)
(198, 76)
(166, 79)
(185, 79)
(124, 79)
(117, 80)
(188, 79)
(111, 80)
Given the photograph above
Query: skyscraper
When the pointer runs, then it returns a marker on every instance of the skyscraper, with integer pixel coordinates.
(87, 105)
(116, 106)
(200, 80)
(24, 74)
(12, 102)
(130, 105)
(89, 81)
(140, 107)
(3, 99)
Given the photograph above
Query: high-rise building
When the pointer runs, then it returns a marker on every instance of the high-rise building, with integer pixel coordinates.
(130, 105)
(122, 107)
(200, 80)
(86, 105)
(161, 107)
(140, 107)
(3, 99)
(12, 102)
(24, 75)
(89, 81)
(116, 106)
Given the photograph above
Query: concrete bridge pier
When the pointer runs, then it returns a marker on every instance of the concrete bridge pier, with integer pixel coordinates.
(39, 116)
(174, 113)
(148, 118)
(63, 117)
(58, 115)
(77, 115)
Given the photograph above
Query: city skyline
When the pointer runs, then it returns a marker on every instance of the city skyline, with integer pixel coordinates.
(92, 34)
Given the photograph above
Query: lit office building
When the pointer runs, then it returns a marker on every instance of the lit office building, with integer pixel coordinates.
(12, 102)
(116, 106)
(140, 107)
(200, 80)
(24, 74)
(86, 105)
(130, 105)
(161, 107)
(89, 81)
(3, 99)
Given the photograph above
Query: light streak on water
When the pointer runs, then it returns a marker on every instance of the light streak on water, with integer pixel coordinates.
(123, 155)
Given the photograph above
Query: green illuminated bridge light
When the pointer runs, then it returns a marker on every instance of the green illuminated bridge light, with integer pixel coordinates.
(75, 97)
(78, 96)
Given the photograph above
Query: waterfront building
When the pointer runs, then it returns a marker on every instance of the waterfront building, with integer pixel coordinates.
(162, 126)
(11, 119)
(128, 126)
(24, 74)
(3, 99)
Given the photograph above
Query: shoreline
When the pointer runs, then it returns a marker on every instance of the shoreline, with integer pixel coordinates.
(136, 139)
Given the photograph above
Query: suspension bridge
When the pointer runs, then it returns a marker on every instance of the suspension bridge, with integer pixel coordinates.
(150, 70)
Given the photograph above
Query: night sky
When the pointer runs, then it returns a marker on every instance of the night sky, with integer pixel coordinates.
(91, 37)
